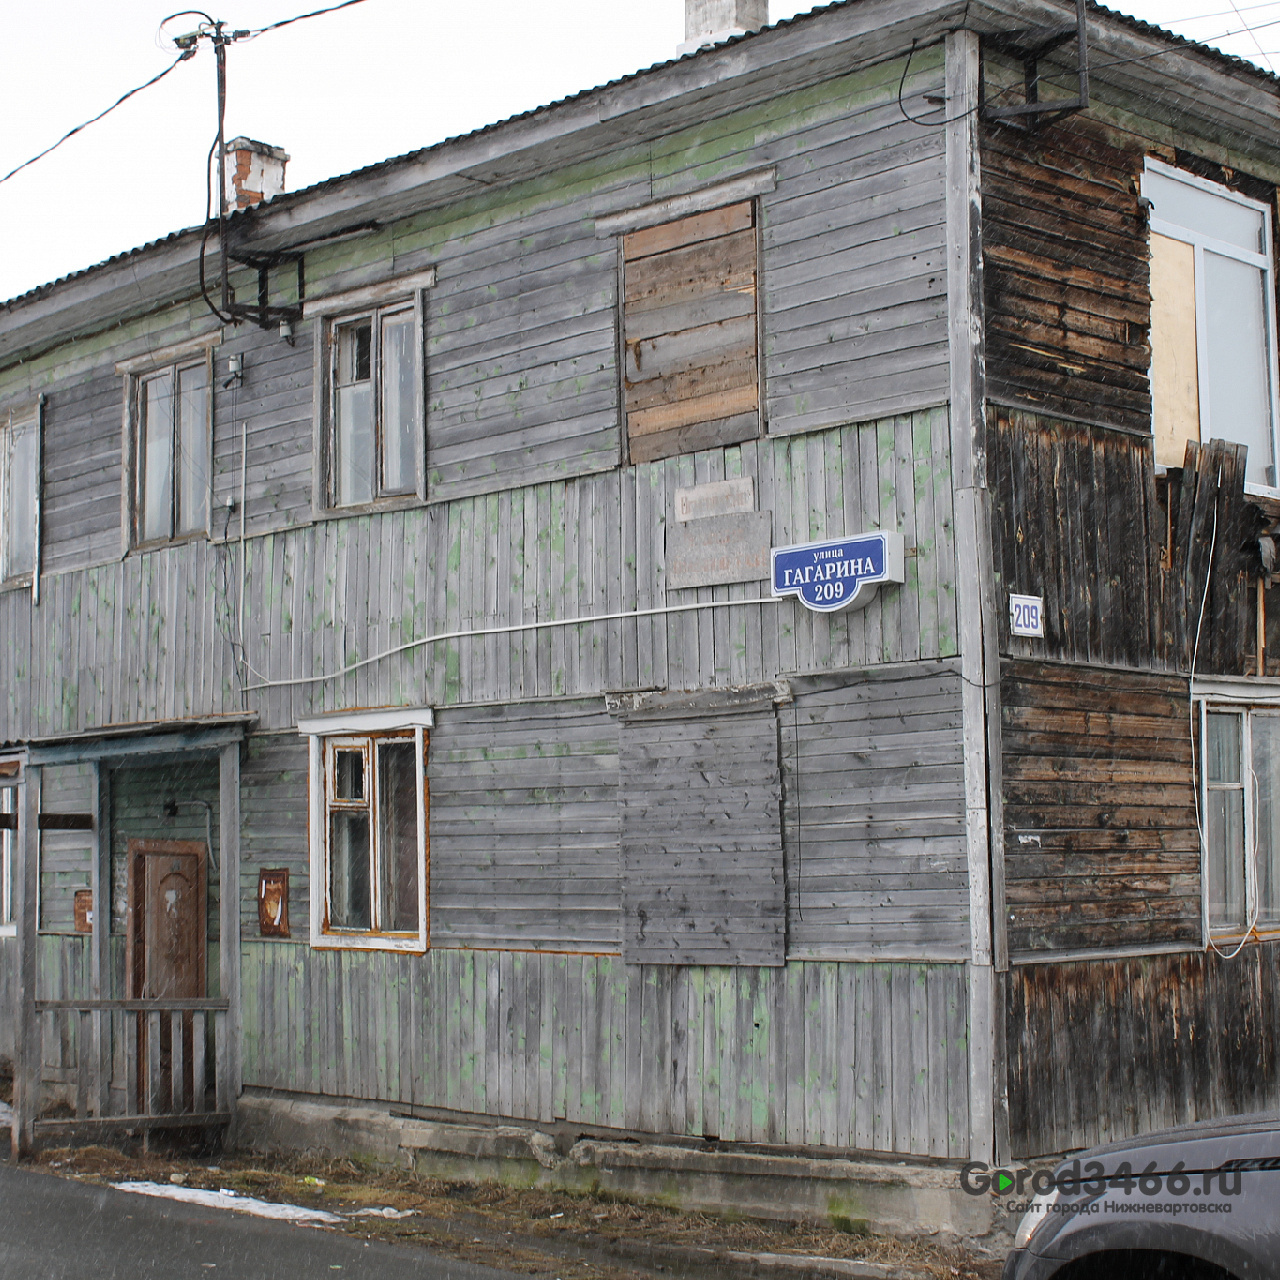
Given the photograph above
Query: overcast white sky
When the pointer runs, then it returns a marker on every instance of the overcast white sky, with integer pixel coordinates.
(337, 92)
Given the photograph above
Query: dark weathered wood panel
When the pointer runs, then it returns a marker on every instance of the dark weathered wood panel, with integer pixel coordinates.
(8, 1009)
(524, 827)
(690, 375)
(702, 870)
(1101, 845)
(873, 814)
(1121, 566)
(1066, 270)
(80, 512)
(1104, 1050)
(872, 1056)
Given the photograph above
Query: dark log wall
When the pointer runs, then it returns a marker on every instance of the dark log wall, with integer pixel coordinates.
(1121, 565)
(1066, 271)
(1101, 844)
(1104, 1050)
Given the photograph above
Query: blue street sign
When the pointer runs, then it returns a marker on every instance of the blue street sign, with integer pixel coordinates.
(840, 573)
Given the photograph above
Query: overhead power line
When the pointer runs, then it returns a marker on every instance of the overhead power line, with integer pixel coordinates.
(188, 51)
(71, 133)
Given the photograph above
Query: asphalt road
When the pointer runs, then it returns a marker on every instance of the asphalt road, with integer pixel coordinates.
(52, 1228)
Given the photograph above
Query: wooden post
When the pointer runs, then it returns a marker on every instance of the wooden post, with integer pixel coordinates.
(99, 956)
(27, 1047)
(979, 654)
(228, 1044)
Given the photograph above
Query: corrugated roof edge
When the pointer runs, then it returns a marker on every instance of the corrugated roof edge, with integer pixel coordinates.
(1227, 60)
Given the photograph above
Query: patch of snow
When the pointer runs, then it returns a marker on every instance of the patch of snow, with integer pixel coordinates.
(227, 1199)
(6, 1115)
(385, 1212)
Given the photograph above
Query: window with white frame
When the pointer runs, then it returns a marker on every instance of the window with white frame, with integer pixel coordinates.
(369, 858)
(172, 450)
(19, 477)
(1241, 807)
(8, 838)
(1213, 343)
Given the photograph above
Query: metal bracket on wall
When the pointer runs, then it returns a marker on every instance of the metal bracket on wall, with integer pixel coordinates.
(263, 314)
(1029, 46)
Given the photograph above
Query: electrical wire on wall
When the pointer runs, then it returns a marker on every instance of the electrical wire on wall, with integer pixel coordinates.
(1195, 721)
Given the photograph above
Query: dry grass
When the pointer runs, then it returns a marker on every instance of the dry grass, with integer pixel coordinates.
(552, 1233)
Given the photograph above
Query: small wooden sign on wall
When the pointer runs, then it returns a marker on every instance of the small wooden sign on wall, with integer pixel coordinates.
(273, 903)
(82, 907)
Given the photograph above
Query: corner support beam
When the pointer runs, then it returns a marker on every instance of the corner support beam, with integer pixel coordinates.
(975, 592)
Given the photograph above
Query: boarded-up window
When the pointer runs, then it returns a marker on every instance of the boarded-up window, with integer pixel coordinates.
(701, 838)
(691, 376)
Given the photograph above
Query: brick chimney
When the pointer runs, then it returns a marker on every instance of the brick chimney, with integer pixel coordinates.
(255, 172)
(708, 22)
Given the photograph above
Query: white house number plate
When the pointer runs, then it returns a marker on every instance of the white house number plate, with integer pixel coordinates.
(1026, 615)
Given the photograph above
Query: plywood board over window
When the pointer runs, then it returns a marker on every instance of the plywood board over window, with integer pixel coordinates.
(691, 375)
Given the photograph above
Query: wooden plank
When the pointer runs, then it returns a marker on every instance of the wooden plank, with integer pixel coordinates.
(691, 230)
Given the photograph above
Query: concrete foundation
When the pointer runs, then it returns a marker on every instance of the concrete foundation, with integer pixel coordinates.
(872, 1195)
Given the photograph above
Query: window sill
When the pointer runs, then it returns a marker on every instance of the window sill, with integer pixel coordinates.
(19, 582)
(1231, 939)
(414, 944)
(159, 544)
(401, 502)
(8, 930)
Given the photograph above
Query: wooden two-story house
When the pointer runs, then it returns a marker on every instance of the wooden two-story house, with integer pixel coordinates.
(430, 680)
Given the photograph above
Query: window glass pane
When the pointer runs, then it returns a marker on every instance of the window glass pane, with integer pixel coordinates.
(193, 449)
(349, 897)
(1222, 741)
(1218, 217)
(1239, 382)
(1266, 768)
(398, 836)
(155, 488)
(1225, 863)
(20, 500)
(348, 775)
(399, 405)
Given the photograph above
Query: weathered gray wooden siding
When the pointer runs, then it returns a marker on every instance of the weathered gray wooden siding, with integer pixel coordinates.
(736, 1054)
(854, 271)
(873, 814)
(262, 432)
(699, 797)
(524, 827)
(65, 856)
(150, 637)
(273, 826)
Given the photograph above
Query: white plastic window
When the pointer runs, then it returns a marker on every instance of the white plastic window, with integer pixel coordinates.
(1241, 805)
(1230, 352)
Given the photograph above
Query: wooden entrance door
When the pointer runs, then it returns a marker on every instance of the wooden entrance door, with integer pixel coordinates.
(167, 944)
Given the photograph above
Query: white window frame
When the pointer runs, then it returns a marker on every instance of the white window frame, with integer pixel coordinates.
(373, 302)
(32, 416)
(1227, 695)
(367, 729)
(136, 371)
(1199, 243)
(8, 862)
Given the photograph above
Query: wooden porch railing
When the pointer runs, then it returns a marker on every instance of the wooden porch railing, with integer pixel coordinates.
(135, 1064)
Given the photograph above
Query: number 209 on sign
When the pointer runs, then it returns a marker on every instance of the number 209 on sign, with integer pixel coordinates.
(1026, 615)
